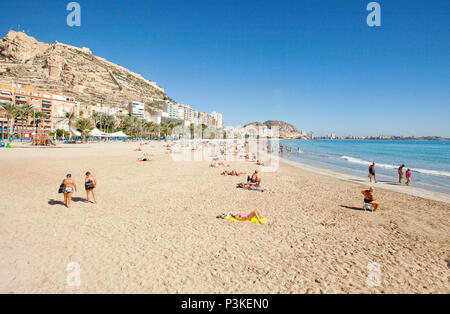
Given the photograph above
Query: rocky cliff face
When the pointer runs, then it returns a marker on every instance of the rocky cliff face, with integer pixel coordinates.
(73, 71)
(286, 130)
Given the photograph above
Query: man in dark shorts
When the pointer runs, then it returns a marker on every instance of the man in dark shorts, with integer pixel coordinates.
(372, 172)
(400, 173)
(369, 198)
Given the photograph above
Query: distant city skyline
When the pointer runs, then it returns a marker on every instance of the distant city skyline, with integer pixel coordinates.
(314, 64)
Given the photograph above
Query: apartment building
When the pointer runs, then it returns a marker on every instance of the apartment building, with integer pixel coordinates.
(53, 104)
(136, 109)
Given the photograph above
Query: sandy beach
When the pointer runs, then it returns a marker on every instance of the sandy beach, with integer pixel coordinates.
(154, 229)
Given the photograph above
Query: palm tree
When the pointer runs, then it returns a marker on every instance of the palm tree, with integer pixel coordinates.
(12, 112)
(84, 125)
(70, 117)
(38, 116)
(25, 112)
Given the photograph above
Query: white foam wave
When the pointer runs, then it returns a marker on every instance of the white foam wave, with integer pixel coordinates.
(437, 173)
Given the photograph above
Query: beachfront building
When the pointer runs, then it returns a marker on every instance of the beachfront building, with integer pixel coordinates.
(51, 103)
(136, 109)
(218, 119)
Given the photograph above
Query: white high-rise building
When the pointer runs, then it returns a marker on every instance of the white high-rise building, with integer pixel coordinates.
(136, 109)
(218, 119)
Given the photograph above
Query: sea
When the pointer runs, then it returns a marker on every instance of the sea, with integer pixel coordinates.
(429, 161)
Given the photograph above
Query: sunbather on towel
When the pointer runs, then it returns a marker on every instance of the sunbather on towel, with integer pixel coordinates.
(254, 214)
(249, 187)
(232, 173)
(218, 164)
(242, 217)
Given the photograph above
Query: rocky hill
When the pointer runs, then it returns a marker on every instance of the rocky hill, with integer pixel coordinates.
(73, 71)
(286, 130)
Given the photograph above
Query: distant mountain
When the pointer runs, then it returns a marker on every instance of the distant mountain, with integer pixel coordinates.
(286, 130)
(74, 72)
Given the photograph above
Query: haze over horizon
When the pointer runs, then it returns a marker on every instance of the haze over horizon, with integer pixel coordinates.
(314, 64)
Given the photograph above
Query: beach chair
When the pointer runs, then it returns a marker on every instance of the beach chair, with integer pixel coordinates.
(368, 207)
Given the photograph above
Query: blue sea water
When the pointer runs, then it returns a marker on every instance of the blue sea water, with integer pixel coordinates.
(428, 160)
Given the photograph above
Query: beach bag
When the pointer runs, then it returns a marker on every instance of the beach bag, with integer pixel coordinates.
(89, 185)
(62, 188)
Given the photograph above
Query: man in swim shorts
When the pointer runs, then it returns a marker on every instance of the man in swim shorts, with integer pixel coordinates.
(369, 197)
(372, 172)
(400, 173)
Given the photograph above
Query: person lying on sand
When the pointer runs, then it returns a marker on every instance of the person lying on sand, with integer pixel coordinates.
(248, 217)
(218, 164)
(250, 187)
(369, 198)
(242, 217)
(259, 163)
(232, 173)
(254, 178)
(145, 158)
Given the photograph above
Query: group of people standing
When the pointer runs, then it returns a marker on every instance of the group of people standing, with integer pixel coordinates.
(400, 174)
(68, 187)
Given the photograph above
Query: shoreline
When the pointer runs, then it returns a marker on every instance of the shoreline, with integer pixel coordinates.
(410, 190)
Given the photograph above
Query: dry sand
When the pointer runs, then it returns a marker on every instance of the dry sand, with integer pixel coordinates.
(154, 229)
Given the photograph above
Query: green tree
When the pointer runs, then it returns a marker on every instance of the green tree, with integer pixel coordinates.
(12, 112)
(84, 125)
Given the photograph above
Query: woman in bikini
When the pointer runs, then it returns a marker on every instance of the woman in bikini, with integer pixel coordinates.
(70, 187)
(90, 183)
(254, 214)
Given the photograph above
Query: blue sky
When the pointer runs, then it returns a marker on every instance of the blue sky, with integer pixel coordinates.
(313, 63)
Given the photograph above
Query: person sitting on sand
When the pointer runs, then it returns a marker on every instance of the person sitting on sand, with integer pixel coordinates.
(232, 173)
(369, 198)
(400, 173)
(408, 176)
(254, 178)
(69, 189)
(90, 183)
(249, 187)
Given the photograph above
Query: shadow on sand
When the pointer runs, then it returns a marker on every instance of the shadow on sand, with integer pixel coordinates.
(74, 199)
(353, 208)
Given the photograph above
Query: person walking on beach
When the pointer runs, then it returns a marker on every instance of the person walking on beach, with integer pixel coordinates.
(400, 173)
(90, 183)
(408, 176)
(372, 172)
(369, 197)
(69, 188)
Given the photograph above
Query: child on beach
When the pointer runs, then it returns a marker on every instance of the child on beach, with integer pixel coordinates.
(408, 176)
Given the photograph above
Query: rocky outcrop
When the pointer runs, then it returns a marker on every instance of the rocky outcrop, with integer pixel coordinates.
(73, 71)
(285, 130)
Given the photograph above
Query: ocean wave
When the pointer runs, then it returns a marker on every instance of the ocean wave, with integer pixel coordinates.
(437, 173)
